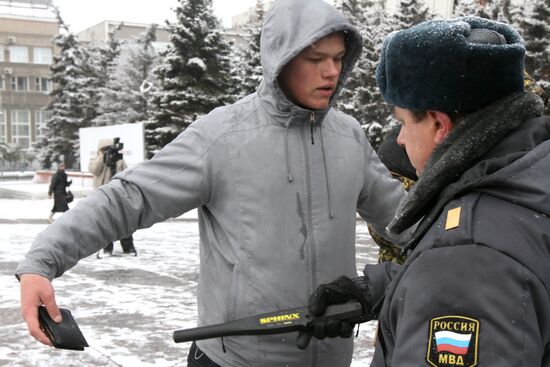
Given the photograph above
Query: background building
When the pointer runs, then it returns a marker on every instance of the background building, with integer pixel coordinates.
(238, 21)
(26, 52)
(443, 8)
(99, 33)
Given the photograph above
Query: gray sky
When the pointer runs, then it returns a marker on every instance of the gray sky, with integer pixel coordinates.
(81, 14)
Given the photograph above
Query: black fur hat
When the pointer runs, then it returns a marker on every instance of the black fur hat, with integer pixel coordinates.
(458, 65)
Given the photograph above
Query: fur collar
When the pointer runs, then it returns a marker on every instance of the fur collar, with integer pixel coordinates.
(473, 137)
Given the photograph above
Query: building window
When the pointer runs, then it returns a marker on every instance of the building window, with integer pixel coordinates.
(161, 46)
(42, 55)
(19, 53)
(40, 117)
(2, 126)
(21, 128)
(1, 53)
(19, 83)
(43, 84)
(2, 83)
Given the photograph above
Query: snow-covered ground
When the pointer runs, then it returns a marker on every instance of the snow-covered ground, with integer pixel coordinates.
(33, 205)
(127, 307)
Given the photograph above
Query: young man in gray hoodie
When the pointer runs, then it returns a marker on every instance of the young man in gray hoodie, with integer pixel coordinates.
(277, 179)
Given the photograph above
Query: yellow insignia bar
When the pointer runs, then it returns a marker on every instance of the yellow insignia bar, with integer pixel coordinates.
(453, 218)
(280, 318)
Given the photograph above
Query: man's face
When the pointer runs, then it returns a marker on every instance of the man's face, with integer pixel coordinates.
(418, 136)
(310, 79)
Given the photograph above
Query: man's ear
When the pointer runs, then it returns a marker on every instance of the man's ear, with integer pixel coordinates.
(443, 125)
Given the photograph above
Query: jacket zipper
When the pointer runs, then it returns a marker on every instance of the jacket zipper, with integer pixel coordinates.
(312, 246)
(311, 125)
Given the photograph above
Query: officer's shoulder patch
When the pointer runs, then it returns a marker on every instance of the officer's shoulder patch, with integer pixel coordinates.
(453, 342)
(453, 218)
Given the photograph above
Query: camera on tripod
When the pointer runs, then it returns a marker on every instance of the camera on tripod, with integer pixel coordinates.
(113, 153)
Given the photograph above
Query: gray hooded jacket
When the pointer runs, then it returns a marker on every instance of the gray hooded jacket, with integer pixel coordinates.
(277, 188)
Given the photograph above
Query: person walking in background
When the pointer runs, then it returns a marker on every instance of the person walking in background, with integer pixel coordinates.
(475, 288)
(107, 163)
(58, 189)
(278, 179)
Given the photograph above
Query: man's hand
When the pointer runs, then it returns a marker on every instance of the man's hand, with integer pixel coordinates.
(341, 290)
(49, 196)
(37, 290)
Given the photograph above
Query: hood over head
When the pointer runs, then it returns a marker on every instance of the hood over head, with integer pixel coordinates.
(290, 26)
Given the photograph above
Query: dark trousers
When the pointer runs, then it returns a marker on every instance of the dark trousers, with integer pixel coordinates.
(126, 243)
(197, 358)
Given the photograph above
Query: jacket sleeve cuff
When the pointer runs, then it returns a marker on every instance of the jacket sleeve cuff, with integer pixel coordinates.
(28, 266)
(375, 282)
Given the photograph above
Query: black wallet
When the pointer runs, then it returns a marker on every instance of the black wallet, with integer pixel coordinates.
(66, 334)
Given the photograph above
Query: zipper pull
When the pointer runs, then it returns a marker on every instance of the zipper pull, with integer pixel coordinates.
(312, 123)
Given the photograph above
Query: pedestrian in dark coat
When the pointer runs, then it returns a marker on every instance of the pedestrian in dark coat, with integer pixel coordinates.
(475, 288)
(58, 188)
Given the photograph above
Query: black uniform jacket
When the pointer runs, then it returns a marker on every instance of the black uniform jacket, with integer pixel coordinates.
(475, 290)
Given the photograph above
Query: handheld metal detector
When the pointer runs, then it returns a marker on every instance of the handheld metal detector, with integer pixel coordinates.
(276, 322)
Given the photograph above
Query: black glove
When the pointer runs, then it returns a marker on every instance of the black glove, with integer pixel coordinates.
(341, 290)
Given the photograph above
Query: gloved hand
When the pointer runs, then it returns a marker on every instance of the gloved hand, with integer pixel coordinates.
(341, 290)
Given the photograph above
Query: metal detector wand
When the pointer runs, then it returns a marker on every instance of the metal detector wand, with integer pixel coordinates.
(276, 322)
